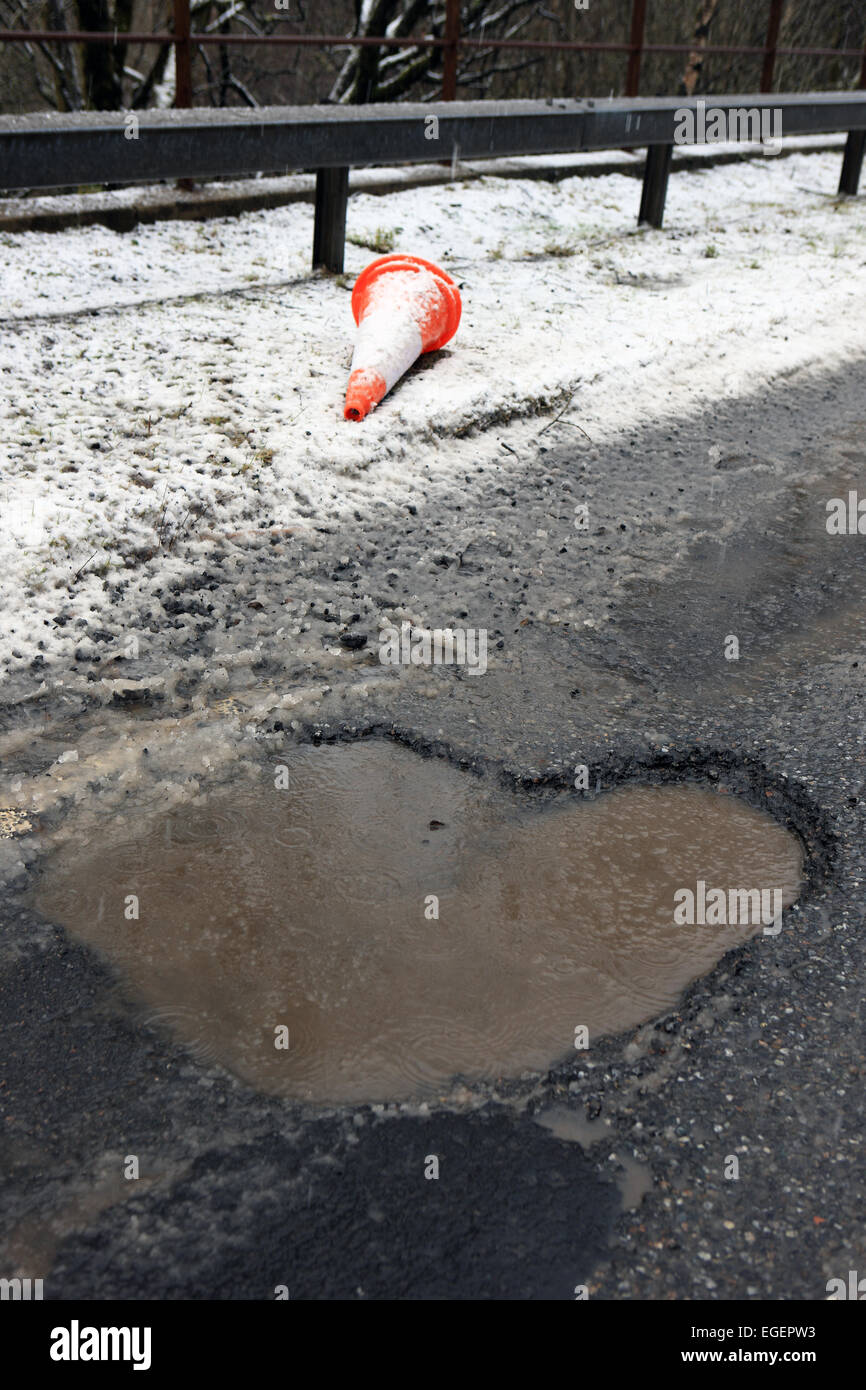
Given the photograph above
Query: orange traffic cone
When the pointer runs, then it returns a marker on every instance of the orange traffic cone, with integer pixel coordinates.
(403, 306)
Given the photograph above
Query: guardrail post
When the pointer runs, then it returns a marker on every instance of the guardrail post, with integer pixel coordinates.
(655, 184)
(773, 26)
(449, 52)
(329, 230)
(638, 28)
(852, 162)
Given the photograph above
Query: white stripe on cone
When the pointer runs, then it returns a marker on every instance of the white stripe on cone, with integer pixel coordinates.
(389, 339)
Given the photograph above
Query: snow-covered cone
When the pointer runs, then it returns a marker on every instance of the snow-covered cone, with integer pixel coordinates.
(403, 306)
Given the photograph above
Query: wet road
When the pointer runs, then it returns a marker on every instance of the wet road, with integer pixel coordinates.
(615, 654)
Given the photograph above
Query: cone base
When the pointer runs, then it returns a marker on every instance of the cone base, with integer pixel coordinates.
(399, 262)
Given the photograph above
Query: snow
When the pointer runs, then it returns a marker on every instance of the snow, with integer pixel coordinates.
(174, 387)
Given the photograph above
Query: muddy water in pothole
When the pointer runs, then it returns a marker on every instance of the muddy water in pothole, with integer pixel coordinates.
(313, 909)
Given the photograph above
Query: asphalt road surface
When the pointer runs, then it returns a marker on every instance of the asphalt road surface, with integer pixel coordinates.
(607, 649)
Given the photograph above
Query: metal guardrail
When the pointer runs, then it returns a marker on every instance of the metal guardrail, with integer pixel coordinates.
(58, 150)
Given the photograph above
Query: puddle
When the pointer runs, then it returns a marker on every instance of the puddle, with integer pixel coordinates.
(634, 1179)
(574, 1126)
(312, 909)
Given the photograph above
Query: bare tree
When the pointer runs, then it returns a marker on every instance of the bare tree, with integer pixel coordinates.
(71, 77)
(99, 76)
(79, 77)
(376, 74)
(56, 72)
(692, 74)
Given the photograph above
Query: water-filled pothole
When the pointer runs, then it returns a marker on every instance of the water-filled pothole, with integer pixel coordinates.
(385, 922)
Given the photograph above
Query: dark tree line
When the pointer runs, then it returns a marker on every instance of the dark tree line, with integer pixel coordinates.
(113, 76)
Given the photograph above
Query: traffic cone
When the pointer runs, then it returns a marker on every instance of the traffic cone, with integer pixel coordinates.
(403, 306)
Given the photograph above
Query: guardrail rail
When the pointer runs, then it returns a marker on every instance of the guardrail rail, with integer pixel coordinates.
(54, 150)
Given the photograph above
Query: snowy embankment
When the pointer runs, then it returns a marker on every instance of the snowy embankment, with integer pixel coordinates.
(185, 382)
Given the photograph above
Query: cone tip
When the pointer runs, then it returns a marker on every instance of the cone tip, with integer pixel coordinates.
(364, 392)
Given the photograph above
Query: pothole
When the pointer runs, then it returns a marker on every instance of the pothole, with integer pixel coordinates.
(360, 923)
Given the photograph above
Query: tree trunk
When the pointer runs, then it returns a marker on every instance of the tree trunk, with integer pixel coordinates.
(103, 63)
(692, 74)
